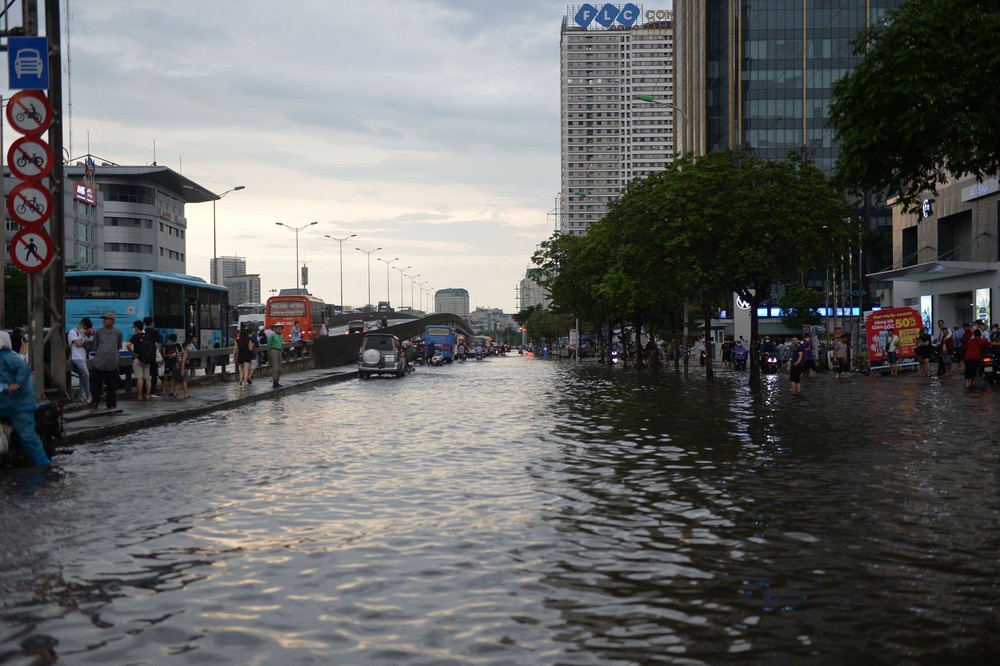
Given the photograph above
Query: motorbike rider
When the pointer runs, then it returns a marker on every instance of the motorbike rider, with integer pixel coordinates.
(17, 402)
(767, 350)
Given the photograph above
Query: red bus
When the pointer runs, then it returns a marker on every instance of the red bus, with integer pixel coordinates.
(308, 311)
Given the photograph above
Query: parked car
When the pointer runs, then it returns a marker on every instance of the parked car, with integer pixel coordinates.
(381, 353)
(356, 326)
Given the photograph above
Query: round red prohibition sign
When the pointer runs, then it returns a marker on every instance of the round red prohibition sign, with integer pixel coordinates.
(30, 158)
(31, 250)
(29, 112)
(30, 204)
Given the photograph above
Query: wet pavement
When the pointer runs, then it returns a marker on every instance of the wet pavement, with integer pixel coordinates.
(522, 512)
(224, 392)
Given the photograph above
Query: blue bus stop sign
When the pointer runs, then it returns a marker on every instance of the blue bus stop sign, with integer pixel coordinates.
(28, 63)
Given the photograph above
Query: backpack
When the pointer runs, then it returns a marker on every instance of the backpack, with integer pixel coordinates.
(146, 352)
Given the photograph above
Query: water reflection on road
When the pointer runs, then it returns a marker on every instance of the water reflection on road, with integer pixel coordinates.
(521, 512)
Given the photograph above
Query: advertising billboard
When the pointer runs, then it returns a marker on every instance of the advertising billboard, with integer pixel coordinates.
(907, 323)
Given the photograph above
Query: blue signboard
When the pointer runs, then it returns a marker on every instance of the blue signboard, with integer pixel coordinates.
(28, 63)
(607, 15)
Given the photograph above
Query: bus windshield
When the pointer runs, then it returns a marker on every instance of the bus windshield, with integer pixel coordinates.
(250, 309)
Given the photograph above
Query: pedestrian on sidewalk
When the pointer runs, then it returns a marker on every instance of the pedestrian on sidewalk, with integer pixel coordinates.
(104, 367)
(17, 402)
(154, 367)
(243, 353)
(79, 339)
(190, 345)
(275, 343)
(892, 350)
(842, 356)
(974, 348)
(171, 365)
(946, 347)
(924, 350)
(138, 345)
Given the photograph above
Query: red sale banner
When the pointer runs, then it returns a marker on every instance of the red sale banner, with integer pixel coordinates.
(906, 322)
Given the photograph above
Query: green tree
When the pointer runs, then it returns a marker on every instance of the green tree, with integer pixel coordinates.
(732, 222)
(924, 103)
(801, 306)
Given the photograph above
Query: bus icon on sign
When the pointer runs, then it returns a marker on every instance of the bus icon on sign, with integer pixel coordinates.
(606, 16)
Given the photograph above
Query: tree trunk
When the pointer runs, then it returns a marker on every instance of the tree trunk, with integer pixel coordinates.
(754, 301)
(639, 362)
(707, 310)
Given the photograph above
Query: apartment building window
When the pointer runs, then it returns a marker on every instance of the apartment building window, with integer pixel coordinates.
(132, 248)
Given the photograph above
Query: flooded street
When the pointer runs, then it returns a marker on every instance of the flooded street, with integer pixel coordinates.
(519, 511)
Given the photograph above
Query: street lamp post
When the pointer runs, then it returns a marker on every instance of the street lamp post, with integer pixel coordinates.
(387, 262)
(401, 270)
(421, 285)
(341, 241)
(296, 230)
(369, 253)
(653, 100)
(412, 277)
(215, 254)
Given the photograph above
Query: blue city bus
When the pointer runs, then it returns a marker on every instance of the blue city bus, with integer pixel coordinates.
(443, 339)
(179, 304)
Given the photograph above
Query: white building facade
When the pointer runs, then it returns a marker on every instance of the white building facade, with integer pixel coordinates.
(227, 267)
(454, 301)
(608, 136)
(243, 288)
(946, 255)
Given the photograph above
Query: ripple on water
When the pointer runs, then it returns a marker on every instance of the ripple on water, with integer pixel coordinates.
(521, 512)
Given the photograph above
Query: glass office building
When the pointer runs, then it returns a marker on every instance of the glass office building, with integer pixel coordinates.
(758, 75)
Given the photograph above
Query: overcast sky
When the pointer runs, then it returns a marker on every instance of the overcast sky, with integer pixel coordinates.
(427, 127)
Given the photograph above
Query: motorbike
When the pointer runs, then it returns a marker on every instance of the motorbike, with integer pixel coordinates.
(480, 354)
(48, 425)
(437, 359)
(769, 363)
(989, 367)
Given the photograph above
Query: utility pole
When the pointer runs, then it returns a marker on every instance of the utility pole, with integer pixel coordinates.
(57, 224)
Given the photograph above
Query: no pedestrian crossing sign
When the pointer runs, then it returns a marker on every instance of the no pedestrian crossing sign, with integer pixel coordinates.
(31, 250)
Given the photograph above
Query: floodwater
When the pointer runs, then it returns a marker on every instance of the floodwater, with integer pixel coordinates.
(520, 511)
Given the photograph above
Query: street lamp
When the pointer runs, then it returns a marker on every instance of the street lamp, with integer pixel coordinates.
(401, 282)
(387, 264)
(341, 241)
(412, 277)
(421, 285)
(652, 100)
(296, 230)
(215, 254)
(369, 253)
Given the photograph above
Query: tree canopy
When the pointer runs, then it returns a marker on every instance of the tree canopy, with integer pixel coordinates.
(701, 229)
(923, 103)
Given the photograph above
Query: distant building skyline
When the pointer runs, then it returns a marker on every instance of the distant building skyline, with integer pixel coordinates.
(243, 289)
(221, 268)
(609, 137)
(453, 300)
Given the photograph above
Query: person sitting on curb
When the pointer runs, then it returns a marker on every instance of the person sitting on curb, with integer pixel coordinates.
(17, 402)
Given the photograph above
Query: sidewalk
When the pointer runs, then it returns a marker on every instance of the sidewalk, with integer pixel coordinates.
(81, 424)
